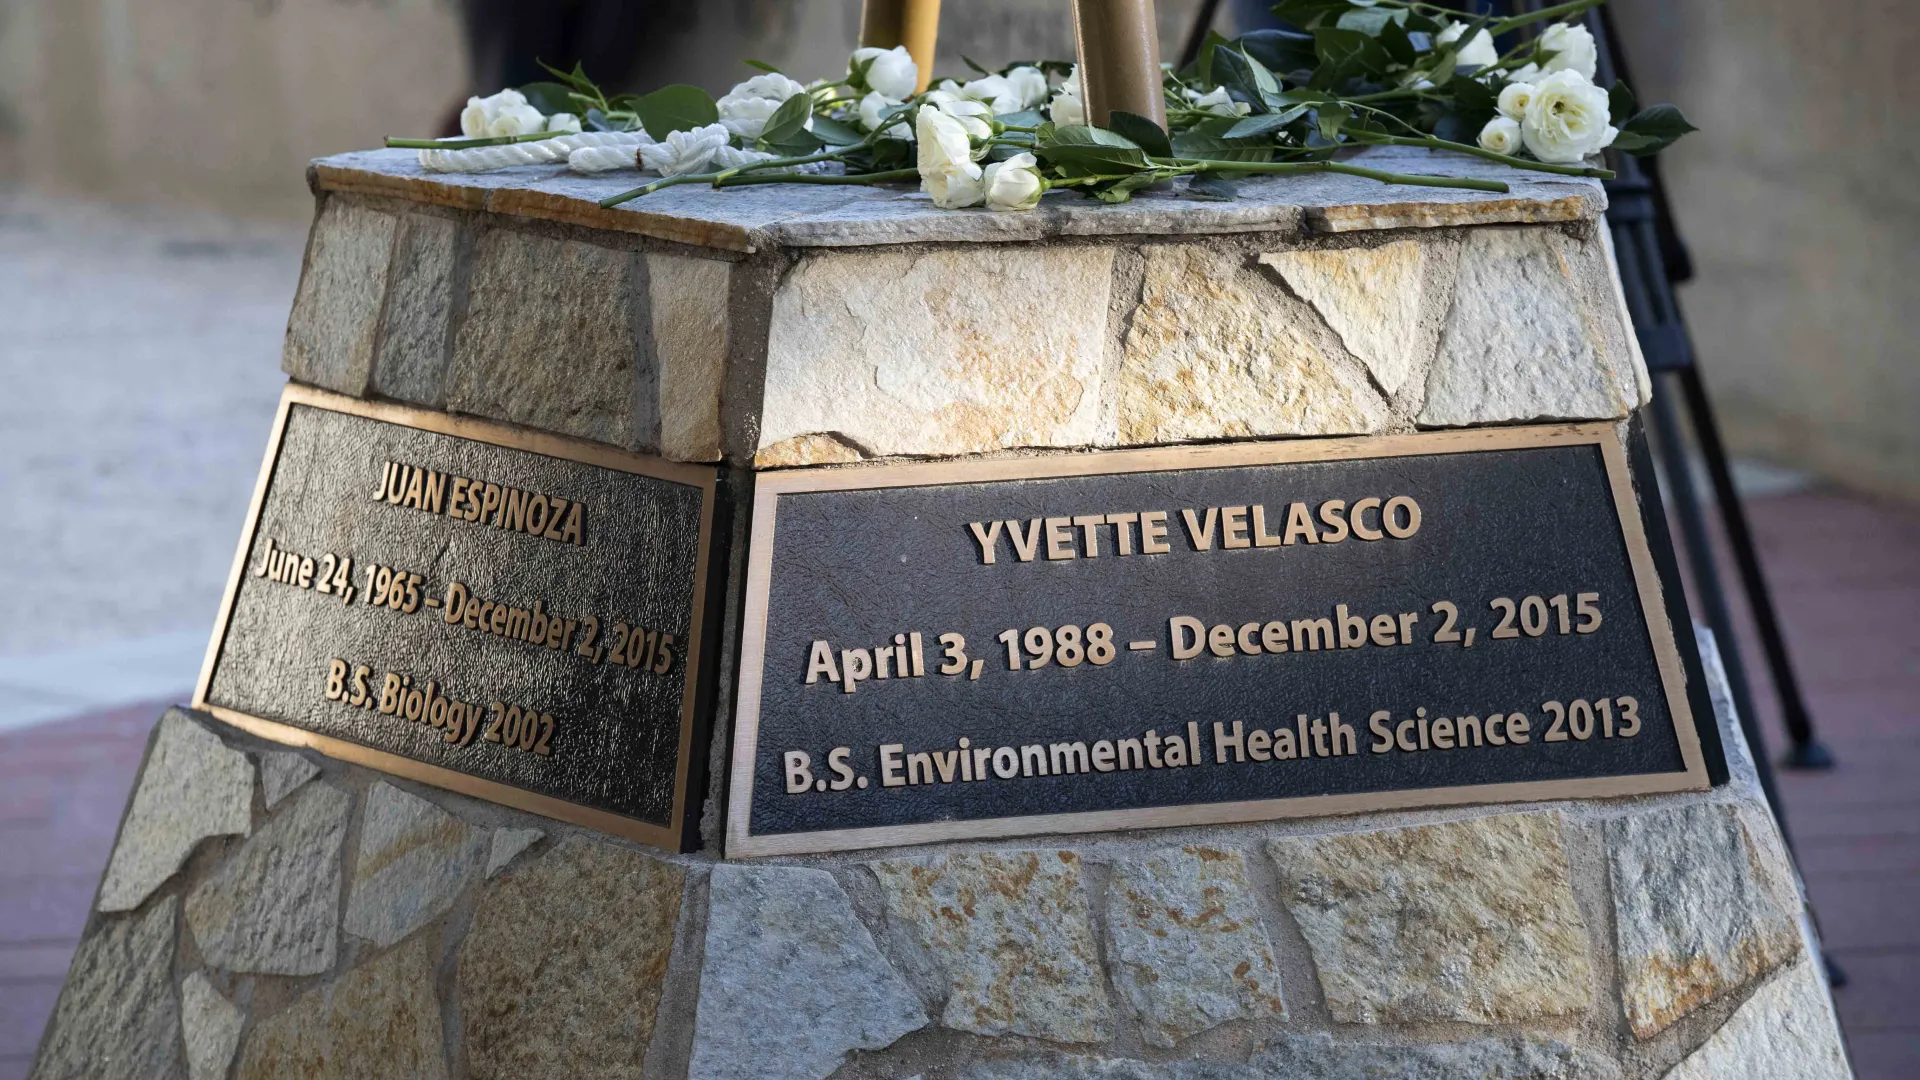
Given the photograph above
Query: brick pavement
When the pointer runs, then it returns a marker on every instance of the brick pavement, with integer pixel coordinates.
(1847, 576)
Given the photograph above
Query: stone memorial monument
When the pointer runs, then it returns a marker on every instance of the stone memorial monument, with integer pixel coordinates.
(802, 632)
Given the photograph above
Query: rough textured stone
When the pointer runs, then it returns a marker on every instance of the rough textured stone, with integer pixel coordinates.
(415, 331)
(939, 352)
(792, 980)
(1189, 952)
(508, 843)
(282, 773)
(414, 859)
(1534, 334)
(1696, 912)
(1319, 1056)
(193, 787)
(1078, 1067)
(1009, 930)
(1465, 920)
(211, 1026)
(380, 1020)
(119, 1015)
(689, 299)
(1216, 350)
(336, 310)
(273, 906)
(1785, 1031)
(1372, 297)
(806, 450)
(562, 970)
(552, 338)
(746, 219)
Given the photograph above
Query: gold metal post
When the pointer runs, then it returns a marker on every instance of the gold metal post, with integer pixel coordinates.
(913, 23)
(1119, 59)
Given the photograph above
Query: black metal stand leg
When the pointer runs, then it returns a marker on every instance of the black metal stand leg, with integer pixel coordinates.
(1806, 752)
(1671, 445)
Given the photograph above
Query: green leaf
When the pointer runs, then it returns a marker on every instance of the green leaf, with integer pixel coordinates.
(1283, 51)
(1620, 103)
(1024, 118)
(675, 108)
(1203, 63)
(1121, 190)
(1212, 186)
(1142, 131)
(1310, 14)
(763, 66)
(1371, 20)
(835, 132)
(550, 97)
(1092, 149)
(969, 61)
(1331, 118)
(1265, 124)
(786, 130)
(1398, 46)
(1202, 146)
(1652, 130)
(1244, 77)
(1347, 54)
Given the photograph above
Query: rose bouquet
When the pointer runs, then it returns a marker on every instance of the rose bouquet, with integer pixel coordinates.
(1356, 73)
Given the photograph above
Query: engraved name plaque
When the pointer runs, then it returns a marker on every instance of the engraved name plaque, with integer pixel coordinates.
(1202, 634)
(516, 616)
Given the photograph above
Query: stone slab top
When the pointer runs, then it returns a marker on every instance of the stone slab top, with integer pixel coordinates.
(795, 215)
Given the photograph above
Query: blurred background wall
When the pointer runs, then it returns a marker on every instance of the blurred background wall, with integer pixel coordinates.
(1799, 198)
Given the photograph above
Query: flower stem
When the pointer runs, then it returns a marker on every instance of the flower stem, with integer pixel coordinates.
(469, 144)
(1432, 143)
(648, 189)
(1574, 7)
(780, 163)
(819, 178)
(1296, 168)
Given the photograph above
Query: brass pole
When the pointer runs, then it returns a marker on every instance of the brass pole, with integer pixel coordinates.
(913, 23)
(1119, 59)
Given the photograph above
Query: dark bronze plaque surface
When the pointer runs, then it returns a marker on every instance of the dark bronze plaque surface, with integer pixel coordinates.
(509, 614)
(1203, 634)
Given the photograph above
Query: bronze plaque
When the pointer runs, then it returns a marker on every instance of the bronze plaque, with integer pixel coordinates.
(516, 616)
(1202, 634)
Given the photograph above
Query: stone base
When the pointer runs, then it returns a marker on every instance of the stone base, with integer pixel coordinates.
(271, 914)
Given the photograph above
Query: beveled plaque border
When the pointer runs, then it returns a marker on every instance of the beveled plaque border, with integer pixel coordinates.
(705, 478)
(743, 843)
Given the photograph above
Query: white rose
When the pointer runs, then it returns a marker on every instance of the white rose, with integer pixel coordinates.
(1067, 107)
(947, 171)
(563, 123)
(873, 110)
(747, 107)
(893, 72)
(477, 119)
(1567, 119)
(516, 120)
(974, 116)
(1031, 82)
(1217, 101)
(1572, 48)
(684, 151)
(1477, 52)
(998, 92)
(1014, 184)
(1514, 98)
(1501, 135)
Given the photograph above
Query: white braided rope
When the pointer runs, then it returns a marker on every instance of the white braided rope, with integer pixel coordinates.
(599, 159)
(541, 152)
